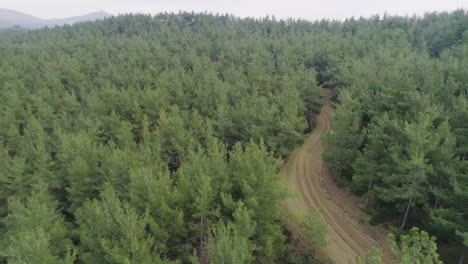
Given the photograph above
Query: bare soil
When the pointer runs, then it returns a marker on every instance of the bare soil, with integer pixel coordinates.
(308, 177)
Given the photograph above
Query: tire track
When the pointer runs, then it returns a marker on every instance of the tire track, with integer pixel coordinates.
(307, 176)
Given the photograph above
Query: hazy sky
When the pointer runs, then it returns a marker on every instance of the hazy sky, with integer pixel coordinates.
(308, 9)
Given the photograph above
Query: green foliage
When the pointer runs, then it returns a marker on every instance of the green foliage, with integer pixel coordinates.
(415, 247)
(372, 256)
(346, 139)
(36, 232)
(112, 232)
(464, 237)
(314, 229)
(255, 178)
(227, 245)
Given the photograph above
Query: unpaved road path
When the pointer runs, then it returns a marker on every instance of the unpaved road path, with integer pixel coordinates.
(309, 179)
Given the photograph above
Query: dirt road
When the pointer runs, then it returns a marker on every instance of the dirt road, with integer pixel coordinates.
(308, 177)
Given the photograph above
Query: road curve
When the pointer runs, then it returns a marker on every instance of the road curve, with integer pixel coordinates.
(309, 179)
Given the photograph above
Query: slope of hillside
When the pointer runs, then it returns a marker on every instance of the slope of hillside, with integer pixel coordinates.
(11, 18)
(76, 19)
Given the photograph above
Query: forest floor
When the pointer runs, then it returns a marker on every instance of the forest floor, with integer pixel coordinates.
(308, 177)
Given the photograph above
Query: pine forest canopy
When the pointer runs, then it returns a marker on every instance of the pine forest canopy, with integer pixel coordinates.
(141, 139)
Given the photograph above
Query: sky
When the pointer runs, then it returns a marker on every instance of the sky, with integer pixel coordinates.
(305, 9)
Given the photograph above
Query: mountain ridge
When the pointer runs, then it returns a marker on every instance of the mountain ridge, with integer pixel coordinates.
(14, 19)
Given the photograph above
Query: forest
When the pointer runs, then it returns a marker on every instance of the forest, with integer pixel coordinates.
(159, 139)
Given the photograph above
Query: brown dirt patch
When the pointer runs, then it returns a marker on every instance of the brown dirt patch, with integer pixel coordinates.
(309, 179)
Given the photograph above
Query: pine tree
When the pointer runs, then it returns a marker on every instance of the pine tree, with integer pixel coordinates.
(111, 231)
(372, 256)
(35, 231)
(154, 192)
(314, 229)
(344, 141)
(417, 247)
(227, 245)
(256, 184)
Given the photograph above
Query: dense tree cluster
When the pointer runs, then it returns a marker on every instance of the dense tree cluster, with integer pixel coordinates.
(400, 132)
(142, 139)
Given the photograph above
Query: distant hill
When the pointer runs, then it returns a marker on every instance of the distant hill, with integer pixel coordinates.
(14, 19)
